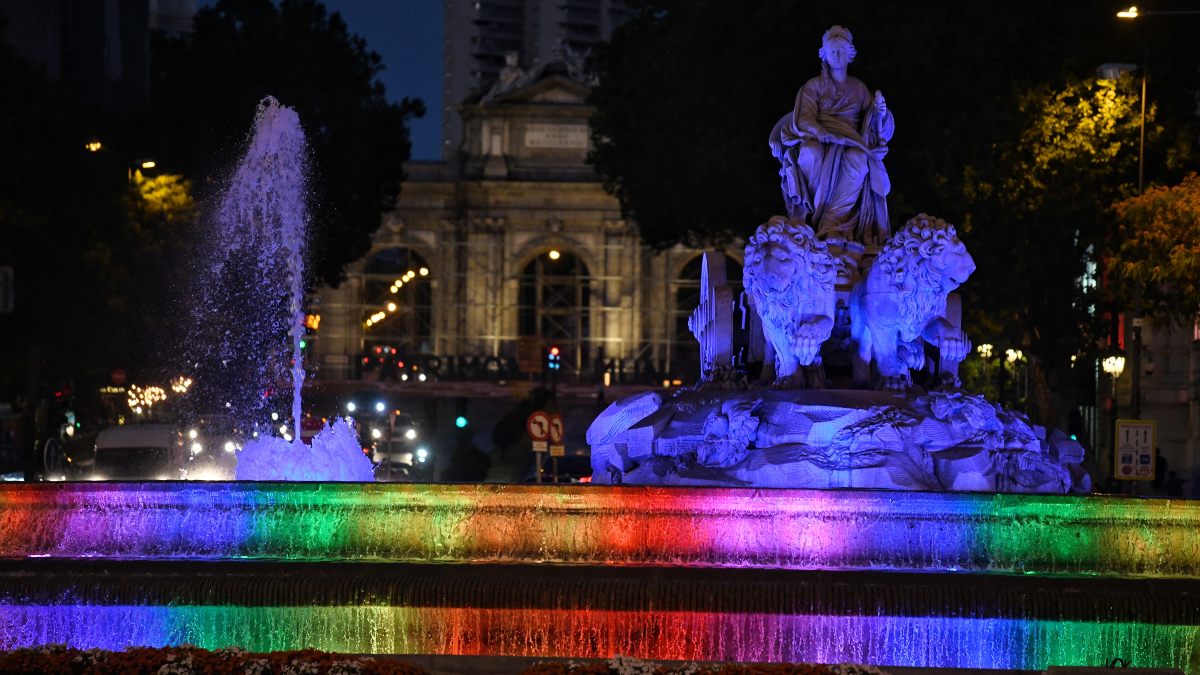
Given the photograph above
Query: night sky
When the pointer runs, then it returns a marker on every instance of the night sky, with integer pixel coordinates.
(408, 35)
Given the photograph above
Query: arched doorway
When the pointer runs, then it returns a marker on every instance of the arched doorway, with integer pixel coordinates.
(397, 300)
(553, 306)
(684, 360)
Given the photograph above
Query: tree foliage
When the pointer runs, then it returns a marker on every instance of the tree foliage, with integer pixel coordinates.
(56, 200)
(1038, 207)
(1160, 248)
(206, 85)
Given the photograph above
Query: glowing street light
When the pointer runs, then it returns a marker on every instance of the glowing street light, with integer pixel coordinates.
(1132, 12)
(93, 146)
(985, 350)
(1113, 365)
(554, 254)
(149, 164)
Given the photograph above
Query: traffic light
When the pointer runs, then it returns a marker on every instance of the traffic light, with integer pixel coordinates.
(553, 358)
(460, 412)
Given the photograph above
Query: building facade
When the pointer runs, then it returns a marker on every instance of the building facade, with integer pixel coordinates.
(479, 34)
(488, 263)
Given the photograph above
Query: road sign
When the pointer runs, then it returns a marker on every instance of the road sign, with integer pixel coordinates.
(557, 449)
(538, 425)
(1135, 449)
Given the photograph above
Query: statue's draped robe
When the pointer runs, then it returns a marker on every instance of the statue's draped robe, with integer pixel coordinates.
(844, 186)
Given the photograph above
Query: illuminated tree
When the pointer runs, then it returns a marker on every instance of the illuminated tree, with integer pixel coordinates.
(1160, 248)
(1040, 208)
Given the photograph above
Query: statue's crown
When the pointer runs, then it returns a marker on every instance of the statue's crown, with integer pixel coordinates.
(837, 33)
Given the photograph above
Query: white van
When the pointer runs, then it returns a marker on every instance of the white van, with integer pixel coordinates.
(139, 452)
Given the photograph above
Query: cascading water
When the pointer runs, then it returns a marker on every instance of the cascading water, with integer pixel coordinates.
(253, 296)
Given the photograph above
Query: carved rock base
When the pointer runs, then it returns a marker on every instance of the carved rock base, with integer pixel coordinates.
(943, 441)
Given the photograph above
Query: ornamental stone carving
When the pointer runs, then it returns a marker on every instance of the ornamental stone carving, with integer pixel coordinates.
(789, 276)
(901, 303)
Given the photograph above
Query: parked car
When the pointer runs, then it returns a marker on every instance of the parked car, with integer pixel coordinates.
(139, 452)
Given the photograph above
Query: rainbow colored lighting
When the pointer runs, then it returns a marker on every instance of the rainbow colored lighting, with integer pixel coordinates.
(887, 640)
(885, 578)
(689, 527)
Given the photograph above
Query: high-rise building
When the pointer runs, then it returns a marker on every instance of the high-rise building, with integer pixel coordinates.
(479, 34)
(99, 48)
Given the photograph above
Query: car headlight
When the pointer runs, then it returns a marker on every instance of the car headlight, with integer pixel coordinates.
(411, 434)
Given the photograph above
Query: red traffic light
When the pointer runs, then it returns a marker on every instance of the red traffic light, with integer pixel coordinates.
(554, 351)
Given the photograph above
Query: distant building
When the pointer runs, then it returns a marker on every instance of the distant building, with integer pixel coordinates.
(488, 262)
(479, 33)
(100, 47)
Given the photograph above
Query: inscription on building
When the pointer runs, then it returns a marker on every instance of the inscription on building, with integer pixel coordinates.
(569, 136)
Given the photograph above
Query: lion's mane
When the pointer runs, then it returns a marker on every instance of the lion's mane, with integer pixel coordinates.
(815, 269)
(906, 265)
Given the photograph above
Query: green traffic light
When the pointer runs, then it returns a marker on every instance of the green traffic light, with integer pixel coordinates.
(460, 421)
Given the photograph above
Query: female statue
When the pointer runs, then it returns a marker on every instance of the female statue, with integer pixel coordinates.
(832, 146)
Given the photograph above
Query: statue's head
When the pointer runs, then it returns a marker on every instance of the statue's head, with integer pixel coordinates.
(836, 44)
(786, 260)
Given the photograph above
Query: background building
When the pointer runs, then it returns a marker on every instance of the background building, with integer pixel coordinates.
(488, 262)
(99, 47)
(479, 33)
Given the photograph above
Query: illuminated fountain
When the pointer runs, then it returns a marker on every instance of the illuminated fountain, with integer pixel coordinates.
(888, 577)
(253, 301)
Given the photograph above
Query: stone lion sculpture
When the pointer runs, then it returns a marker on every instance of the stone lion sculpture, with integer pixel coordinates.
(901, 303)
(789, 276)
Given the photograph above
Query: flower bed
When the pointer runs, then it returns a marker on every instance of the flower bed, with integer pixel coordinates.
(629, 666)
(60, 660)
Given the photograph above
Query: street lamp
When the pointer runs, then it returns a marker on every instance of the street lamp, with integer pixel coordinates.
(1114, 71)
(1132, 12)
(1114, 365)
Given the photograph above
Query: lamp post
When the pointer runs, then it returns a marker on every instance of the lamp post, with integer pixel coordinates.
(1113, 365)
(985, 352)
(1114, 71)
(1132, 12)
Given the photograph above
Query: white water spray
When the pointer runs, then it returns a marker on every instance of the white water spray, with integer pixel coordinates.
(263, 220)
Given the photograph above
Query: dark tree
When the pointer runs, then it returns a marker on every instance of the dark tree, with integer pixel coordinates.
(206, 86)
(56, 200)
